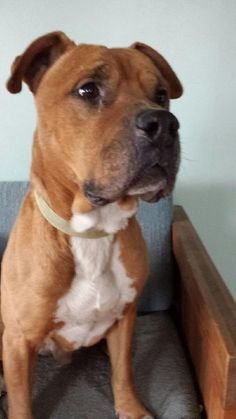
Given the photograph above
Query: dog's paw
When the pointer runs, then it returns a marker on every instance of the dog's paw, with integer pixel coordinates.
(129, 417)
(135, 415)
(128, 406)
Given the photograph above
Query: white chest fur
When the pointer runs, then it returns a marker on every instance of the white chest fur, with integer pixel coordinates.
(100, 288)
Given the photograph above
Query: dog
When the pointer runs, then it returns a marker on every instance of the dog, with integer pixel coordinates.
(76, 261)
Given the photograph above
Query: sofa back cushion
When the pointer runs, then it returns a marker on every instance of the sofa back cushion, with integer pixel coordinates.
(155, 221)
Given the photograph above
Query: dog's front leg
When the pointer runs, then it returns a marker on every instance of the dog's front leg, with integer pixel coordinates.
(119, 341)
(18, 361)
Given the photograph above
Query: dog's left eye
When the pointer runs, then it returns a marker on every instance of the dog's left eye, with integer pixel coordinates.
(88, 91)
(161, 97)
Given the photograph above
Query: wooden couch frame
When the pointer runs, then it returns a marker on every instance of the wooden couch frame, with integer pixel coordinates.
(207, 313)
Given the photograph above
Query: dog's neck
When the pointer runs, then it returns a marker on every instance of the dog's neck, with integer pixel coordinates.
(55, 183)
(65, 198)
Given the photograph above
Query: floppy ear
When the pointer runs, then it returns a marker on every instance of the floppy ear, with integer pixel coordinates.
(37, 58)
(176, 88)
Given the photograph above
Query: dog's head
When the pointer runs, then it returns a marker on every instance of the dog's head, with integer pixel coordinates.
(103, 116)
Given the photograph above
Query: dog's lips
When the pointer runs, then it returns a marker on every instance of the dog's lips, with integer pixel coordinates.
(153, 197)
(150, 185)
(95, 199)
(151, 193)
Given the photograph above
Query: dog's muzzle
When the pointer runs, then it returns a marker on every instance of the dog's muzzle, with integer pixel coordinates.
(153, 149)
(157, 154)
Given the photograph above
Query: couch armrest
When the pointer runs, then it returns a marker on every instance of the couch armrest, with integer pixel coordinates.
(208, 320)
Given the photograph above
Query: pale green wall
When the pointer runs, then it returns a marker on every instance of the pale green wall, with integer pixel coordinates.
(199, 39)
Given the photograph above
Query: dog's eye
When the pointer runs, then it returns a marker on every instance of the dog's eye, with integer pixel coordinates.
(161, 97)
(88, 91)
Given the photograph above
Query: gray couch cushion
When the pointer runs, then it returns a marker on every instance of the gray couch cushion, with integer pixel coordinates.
(11, 194)
(82, 389)
(155, 220)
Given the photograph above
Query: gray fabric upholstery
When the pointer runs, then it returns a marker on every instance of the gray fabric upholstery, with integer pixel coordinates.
(82, 389)
(155, 220)
(11, 194)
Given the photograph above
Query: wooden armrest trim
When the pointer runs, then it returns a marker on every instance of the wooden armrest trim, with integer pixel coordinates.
(208, 316)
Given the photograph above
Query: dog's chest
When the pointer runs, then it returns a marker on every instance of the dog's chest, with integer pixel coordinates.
(100, 288)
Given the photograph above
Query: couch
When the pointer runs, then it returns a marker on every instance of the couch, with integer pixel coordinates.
(184, 352)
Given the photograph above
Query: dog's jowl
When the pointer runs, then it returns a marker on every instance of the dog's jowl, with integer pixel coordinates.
(76, 261)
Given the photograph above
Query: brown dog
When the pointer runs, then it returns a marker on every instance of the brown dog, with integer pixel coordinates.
(104, 138)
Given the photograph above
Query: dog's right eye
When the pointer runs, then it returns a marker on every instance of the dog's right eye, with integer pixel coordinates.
(88, 91)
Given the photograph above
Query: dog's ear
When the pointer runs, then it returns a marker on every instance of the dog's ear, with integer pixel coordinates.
(176, 88)
(37, 58)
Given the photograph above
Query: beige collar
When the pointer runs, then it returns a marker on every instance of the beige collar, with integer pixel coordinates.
(63, 225)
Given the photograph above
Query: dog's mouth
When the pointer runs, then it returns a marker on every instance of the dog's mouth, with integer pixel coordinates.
(150, 194)
(95, 198)
(152, 186)
(149, 186)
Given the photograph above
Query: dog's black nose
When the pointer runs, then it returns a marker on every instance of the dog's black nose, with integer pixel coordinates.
(157, 124)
